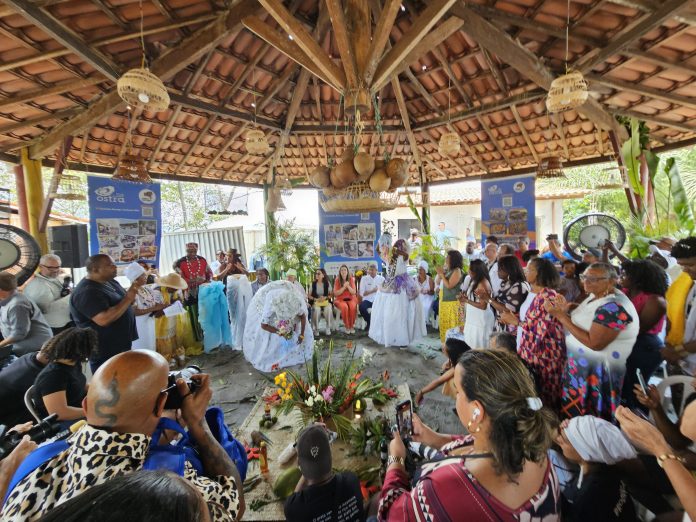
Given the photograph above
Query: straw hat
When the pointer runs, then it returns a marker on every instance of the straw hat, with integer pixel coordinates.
(172, 280)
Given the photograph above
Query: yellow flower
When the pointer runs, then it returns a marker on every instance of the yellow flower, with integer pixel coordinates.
(280, 377)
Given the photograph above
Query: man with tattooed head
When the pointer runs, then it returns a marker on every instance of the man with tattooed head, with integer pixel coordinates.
(124, 403)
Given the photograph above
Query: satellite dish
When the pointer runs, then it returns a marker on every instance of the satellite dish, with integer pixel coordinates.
(591, 231)
(19, 253)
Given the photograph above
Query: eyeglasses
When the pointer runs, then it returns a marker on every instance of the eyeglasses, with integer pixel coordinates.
(52, 267)
(589, 279)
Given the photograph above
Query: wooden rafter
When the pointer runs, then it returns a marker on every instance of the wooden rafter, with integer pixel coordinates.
(407, 124)
(625, 38)
(360, 27)
(54, 28)
(527, 63)
(650, 92)
(58, 167)
(343, 41)
(687, 14)
(58, 88)
(656, 120)
(558, 122)
(523, 131)
(171, 121)
(189, 49)
(305, 41)
(425, 21)
(32, 122)
(430, 41)
(385, 22)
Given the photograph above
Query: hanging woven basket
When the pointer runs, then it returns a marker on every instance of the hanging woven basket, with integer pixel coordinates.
(359, 197)
(132, 168)
(567, 92)
(550, 168)
(70, 188)
(256, 142)
(449, 144)
(141, 88)
(613, 180)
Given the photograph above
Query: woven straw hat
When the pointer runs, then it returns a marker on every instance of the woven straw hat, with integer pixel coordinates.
(172, 280)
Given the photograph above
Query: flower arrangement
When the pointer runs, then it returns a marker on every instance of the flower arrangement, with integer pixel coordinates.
(328, 390)
(285, 329)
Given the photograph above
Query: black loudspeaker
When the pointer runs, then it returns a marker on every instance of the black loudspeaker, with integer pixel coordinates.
(70, 243)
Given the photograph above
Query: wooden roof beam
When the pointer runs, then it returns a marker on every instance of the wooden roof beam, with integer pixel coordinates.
(558, 121)
(656, 120)
(687, 15)
(524, 133)
(387, 17)
(164, 136)
(58, 88)
(343, 41)
(619, 42)
(527, 63)
(650, 92)
(32, 122)
(407, 123)
(54, 28)
(288, 48)
(188, 50)
(420, 28)
(305, 41)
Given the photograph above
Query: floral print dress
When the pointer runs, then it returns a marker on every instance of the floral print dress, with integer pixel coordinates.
(594, 378)
(543, 348)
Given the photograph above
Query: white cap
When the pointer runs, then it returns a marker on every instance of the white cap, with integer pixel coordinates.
(133, 271)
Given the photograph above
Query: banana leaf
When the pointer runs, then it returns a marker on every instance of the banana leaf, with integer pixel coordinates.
(681, 203)
(631, 151)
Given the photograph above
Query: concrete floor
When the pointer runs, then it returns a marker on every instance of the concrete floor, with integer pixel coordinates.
(237, 385)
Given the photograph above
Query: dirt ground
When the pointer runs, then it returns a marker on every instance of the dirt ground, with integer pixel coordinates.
(238, 385)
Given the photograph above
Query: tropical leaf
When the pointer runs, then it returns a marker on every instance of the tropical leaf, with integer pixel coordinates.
(631, 151)
(682, 205)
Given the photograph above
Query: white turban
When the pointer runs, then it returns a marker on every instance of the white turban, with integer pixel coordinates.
(133, 271)
(597, 440)
(423, 265)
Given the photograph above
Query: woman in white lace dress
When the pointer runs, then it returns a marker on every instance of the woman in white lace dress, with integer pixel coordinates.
(426, 289)
(276, 334)
(397, 314)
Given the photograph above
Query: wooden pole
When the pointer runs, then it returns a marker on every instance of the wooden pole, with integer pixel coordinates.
(21, 197)
(425, 209)
(58, 167)
(33, 185)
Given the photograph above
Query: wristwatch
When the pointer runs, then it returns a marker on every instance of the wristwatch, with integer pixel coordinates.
(395, 460)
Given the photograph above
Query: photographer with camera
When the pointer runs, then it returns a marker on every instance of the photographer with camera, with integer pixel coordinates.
(499, 471)
(123, 407)
(51, 293)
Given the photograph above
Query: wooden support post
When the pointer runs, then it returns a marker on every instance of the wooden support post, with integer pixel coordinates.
(34, 197)
(58, 166)
(425, 209)
(21, 197)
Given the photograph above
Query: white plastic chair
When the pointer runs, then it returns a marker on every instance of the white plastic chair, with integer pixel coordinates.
(665, 390)
(29, 403)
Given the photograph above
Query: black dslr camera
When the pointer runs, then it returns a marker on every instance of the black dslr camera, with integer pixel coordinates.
(174, 398)
(43, 431)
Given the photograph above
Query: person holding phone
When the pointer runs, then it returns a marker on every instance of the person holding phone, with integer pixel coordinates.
(500, 471)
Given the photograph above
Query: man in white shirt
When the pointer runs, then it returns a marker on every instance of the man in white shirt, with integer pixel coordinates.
(490, 254)
(50, 293)
(219, 263)
(414, 241)
(369, 285)
(469, 253)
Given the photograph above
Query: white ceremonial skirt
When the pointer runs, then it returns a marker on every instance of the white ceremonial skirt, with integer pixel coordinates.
(267, 351)
(239, 296)
(396, 320)
(478, 326)
(146, 333)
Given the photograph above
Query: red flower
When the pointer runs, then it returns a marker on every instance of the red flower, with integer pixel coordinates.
(275, 367)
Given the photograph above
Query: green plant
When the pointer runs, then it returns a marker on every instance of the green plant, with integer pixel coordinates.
(289, 247)
(429, 251)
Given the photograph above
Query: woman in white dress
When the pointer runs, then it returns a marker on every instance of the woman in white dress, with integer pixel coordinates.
(147, 305)
(239, 296)
(276, 333)
(426, 287)
(397, 315)
(479, 316)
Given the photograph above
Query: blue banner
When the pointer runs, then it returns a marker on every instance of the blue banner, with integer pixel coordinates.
(125, 219)
(508, 209)
(348, 239)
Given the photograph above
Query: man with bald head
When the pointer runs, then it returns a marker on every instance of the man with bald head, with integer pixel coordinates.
(101, 303)
(123, 406)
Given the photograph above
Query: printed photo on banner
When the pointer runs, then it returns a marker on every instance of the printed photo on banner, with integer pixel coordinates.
(508, 209)
(366, 232)
(350, 248)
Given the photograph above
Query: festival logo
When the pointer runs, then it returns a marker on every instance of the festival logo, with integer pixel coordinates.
(519, 187)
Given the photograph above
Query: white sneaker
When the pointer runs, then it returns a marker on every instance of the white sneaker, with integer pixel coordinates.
(328, 332)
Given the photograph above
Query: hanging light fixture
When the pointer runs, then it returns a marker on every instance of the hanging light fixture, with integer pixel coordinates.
(449, 144)
(569, 90)
(69, 188)
(139, 87)
(256, 142)
(613, 178)
(550, 168)
(132, 168)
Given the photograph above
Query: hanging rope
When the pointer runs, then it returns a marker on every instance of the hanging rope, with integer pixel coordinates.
(379, 127)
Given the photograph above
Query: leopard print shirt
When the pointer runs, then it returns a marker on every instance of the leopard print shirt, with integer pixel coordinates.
(95, 456)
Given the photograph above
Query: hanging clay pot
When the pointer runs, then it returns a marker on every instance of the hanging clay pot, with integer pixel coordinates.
(379, 181)
(344, 173)
(397, 170)
(320, 177)
(364, 164)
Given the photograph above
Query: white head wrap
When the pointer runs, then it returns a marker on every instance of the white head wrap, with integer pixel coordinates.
(597, 440)
(423, 265)
(133, 271)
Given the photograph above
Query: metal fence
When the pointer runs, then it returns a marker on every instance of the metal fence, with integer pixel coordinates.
(209, 242)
